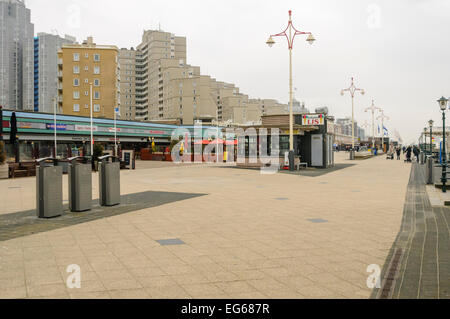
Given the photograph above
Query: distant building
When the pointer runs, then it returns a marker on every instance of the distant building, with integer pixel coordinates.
(343, 131)
(46, 48)
(16, 56)
(168, 88)
(82, 64)
(155, 45)
(127, 62)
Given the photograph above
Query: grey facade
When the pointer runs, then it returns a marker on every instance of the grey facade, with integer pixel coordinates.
(16, 56)
(46, 69)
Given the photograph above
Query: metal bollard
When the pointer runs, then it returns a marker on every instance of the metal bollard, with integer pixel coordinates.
(109, 180)
(429, 170)
(80, 184)
(49, 201)
(422, 158)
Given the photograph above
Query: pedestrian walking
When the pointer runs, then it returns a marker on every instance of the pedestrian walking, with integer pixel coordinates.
(416, 153)
(398, 151)
(408, 154)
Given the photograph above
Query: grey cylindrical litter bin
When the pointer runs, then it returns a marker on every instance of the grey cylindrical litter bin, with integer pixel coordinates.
(109, 180)
(80, 184)
(49, 201)
(352, 155)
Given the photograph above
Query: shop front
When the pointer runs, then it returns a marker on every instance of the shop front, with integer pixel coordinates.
(313, 144)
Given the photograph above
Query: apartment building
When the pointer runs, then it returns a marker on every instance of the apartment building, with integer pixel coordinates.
(46, 48)
(155, 45)
(79, 65)
(16, 56)
(127, 62)
(168, 88)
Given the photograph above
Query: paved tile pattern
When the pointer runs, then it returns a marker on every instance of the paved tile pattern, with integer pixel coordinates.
(419, 261)
(313, 172)
(26, 223)
(168, 242)
(239, 241)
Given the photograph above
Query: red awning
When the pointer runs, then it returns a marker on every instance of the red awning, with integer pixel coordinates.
(219, 141)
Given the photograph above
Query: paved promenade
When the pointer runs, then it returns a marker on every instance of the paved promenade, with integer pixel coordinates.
(419, 262)
(223, 233)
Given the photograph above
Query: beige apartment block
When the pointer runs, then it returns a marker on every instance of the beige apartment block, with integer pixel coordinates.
(169, 89)
(79, 65)
(127, 62)
(155, 45)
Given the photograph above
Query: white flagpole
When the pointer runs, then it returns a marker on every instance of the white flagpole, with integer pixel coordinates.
(115, 133)
(54, 123)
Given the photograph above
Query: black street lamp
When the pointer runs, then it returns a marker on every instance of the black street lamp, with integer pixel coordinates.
(430, 122)
(443, 105)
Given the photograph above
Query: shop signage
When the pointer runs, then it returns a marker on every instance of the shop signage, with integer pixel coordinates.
(316, 119)
(59, 127)
(286, 132)
(31, 125)
(85, 128)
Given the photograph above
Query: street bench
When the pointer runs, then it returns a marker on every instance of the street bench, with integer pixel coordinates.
(22, 169)
(299, 165)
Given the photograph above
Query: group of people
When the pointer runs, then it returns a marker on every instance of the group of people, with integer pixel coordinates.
(409, 151)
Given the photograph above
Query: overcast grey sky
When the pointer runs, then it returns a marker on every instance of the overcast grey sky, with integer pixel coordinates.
(398, 51)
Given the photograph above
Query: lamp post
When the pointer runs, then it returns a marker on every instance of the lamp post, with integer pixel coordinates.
(382, 117)
(430, 122)
(373, 108)
(352, 90)
(443, 106)
(290, 36)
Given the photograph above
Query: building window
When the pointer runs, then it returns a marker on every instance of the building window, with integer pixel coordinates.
(76, 82)
(96, 82)
(86, 68)
(96, 57)
(86, 93)
(86, 106)
(76, 69)
(76, 107)
(76, 57)
(96, 70)
(76, 95)
(86, 55)
(96, 95)
(86, 80)
(96, 107)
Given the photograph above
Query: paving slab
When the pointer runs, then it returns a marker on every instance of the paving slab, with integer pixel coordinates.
(239, 241)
